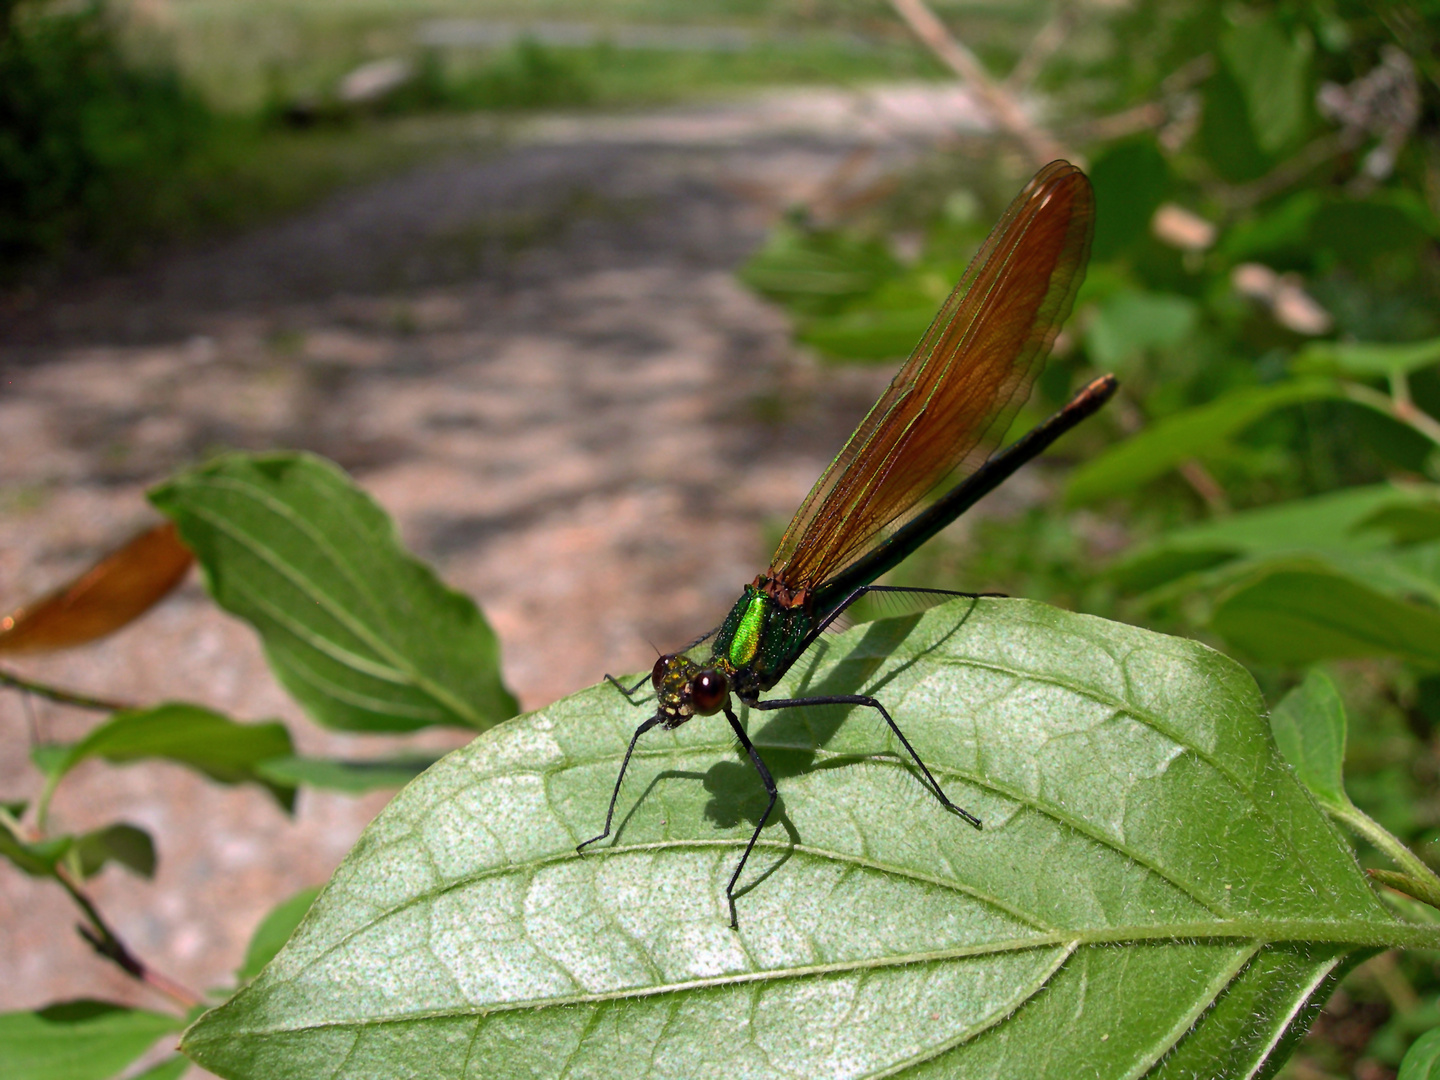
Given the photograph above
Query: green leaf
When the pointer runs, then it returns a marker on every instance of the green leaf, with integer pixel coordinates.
(1309, 729)
(36, 858)
(352, 777)
(361, 633)
(1273, 75)
(1227, 136)
(1417, 523)
(1176, 438)
(129, 845)
(78, 1040)
(1354, 518)
(1153, 889)
(1130, 180)
(818, 270)
(1301, 612)
(1422, 1060)
(190, 735)
(1368, 235)
(869, 334)
(86, 855)
(1366, 360)
(274, 930)
(1280, 230)
(1130, 322)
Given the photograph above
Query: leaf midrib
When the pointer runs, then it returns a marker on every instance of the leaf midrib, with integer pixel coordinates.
(281, 566)
(1357, 933)
(530, 866)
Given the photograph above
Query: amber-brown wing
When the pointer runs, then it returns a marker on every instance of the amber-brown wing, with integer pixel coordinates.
(952, 401)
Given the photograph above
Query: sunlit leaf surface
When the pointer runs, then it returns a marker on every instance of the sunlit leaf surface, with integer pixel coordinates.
(115, 591)
(1153, 892)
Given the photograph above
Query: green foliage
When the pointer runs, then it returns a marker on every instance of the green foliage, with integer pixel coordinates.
(84, 856)
(1298, 613)
(1422, 1061)
(89, 143)
(78, 1040)
(359, 631)
(528, 76)
(1185, 435)
(1130, 180)
(212, 744)
(127, 845)
(350, 776)
(1130, 322)
(274, 930)
(875, 929)
(1309, 730)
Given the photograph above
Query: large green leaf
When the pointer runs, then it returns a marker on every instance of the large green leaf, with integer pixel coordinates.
(1153, 891)
(77, 1040)
(1170, 441)
(360, 631)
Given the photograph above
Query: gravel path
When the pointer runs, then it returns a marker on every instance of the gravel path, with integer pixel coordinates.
(534, 355)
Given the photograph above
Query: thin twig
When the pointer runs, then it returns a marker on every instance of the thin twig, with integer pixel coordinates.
(107, 943)
(65, 697)
(1407, 412)
(1288, 172)
(1042, 46)
(1146, 117)
(1206, 486)
(1005, 110)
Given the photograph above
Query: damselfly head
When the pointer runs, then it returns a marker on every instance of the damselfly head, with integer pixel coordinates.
(684, 689)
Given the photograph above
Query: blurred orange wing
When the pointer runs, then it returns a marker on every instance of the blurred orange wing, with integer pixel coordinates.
(949, 406)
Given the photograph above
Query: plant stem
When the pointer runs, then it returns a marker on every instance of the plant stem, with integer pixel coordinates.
(1407, 412)
(64, 697)
(100, 936)
(107, 943)
(1379, 837)
(1005, 110)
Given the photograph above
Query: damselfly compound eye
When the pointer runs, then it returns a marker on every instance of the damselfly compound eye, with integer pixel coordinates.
(708, 692)
(657, 674)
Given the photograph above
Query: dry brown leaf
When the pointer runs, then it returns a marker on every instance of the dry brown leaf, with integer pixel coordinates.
(115, 591)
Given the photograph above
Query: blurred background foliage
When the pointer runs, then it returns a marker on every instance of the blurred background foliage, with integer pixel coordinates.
(1265, 282)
